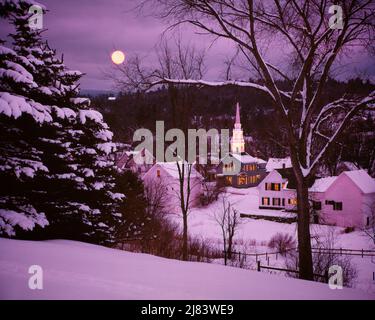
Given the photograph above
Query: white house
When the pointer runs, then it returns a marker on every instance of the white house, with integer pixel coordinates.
(277, 190)
(347, 200)
(167, 175)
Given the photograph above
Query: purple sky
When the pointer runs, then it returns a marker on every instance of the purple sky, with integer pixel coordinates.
(87, 31)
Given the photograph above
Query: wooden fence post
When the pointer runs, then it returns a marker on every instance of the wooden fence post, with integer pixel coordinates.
(362, 252)
(326, 276)
(258, 266)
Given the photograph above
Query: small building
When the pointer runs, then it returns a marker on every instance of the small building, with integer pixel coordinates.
(278, 190)
(278, 163)
(347, 200)
(165, 175)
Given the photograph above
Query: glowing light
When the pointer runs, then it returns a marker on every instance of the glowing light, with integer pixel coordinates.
(118, 57)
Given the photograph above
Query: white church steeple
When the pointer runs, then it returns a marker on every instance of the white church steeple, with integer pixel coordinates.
(237, 142)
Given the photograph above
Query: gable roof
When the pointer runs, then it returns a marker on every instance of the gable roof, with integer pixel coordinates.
(362, 180)
(277, 163)
(244, 157)
(322, 184)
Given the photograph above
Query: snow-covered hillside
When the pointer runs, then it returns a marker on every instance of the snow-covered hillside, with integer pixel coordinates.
(74, 270)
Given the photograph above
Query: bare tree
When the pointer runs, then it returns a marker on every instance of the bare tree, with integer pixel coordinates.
(229, 220)
(184, 195)
(311, 117)
(183, 61)
(212, 187)
(156, 196)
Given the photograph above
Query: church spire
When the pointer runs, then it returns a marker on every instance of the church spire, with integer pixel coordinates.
(238, 113)
(237, 141)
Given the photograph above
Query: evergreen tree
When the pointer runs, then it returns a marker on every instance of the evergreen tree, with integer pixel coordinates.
(138, 222)
(63, 174)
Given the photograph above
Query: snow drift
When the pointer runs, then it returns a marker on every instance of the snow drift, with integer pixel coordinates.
(75, 270)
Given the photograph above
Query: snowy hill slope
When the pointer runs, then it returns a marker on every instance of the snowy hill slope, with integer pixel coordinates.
(75, 270)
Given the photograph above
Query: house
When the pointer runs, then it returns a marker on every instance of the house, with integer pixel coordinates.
(278, 163)
(165, 175)
(241, 170)
(346, 200)
(278, 190)
(238, 168)
(136, 161)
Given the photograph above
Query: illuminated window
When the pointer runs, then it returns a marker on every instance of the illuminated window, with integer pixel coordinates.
(241, 180)
(158, 173)
(276, 201)
(228, 179)
(277, 186)
(268, 186)
(265, 201)
(253, 179)
(292, 201)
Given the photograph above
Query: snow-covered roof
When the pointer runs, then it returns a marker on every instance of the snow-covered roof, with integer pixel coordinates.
(172, 170)
(321, 185)
(278, 163)
(246, 158)
(362, 180)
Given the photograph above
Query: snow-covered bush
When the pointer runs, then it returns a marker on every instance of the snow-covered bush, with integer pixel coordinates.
(282, 243)
(324, 258)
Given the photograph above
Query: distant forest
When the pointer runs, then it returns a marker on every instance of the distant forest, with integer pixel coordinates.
(214, 107)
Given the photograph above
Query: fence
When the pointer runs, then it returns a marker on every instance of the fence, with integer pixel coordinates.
(320, 276)
(341, 251)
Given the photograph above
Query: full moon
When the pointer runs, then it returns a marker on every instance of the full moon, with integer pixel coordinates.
(118, 57)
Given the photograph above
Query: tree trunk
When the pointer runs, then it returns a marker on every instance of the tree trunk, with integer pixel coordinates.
(230, 248)
(225, 251)
(304, 241)
(185, 238)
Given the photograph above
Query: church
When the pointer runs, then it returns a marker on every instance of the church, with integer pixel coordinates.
(251, 170)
